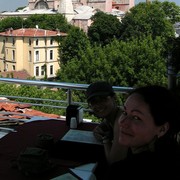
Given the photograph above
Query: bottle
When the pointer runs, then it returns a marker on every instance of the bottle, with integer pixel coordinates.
(73, 123)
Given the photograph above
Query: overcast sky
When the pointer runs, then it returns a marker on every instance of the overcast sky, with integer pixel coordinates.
(12, 5)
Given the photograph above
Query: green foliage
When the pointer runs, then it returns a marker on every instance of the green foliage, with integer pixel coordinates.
(149, 64)
(133, 63)
(44, 21)
(104, 28)
(172, 11)
(11, 22)
(75, 41)
(6, 89)
(145, 19)
(51, 22)
(83, 70)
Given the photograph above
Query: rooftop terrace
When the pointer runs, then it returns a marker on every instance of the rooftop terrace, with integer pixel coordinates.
(15, 112)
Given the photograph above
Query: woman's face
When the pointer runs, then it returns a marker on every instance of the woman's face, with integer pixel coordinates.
(136, 124)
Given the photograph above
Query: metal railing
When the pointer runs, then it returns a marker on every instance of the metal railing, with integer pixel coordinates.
(69, 87)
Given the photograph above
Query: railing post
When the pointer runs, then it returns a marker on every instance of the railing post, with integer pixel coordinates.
(171, 73)
(69, 96)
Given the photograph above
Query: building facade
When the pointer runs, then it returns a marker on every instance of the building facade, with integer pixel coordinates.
(32, 49)
(103, 5)
(43, 4)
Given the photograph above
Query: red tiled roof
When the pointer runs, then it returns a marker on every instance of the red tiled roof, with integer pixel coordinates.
(31, 32)
(15, 74)
(22, 111)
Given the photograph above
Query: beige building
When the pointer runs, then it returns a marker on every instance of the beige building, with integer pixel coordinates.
(34, 50)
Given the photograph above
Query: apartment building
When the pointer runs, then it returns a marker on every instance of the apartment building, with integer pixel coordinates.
(33, 50)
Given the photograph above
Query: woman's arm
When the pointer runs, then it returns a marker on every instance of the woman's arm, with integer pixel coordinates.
(113, 150)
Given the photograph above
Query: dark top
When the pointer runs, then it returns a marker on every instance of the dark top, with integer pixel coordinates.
(146, 165)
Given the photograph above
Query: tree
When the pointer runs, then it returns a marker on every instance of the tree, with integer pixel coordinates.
(11, 22)
(104, 28)
(75, 42)
(137, 62)
(90, 67)
(51, 22)
(132, 63)
(172, 11)
(145, 19)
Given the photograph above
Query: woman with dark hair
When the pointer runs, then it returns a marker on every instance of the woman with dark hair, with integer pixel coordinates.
(148, 127)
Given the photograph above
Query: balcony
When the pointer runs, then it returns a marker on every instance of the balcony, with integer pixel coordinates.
(15, 111)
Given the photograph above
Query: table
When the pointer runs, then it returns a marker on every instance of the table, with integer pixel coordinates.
(61, 154)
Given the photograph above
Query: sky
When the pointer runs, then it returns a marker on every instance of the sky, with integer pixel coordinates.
(12, 5)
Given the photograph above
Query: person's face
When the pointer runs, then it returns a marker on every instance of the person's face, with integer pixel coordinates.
(136, 124)
(102, 106)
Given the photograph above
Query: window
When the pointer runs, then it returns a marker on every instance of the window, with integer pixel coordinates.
(13, 55)
(37, 71)
(51, 54)
(37, 42)
(51, 70)
(37, 56)
(29, 42)
(30, 56)
(42, 70)
(13, 67)
(41, 5)
(51, 42)
(13, 41)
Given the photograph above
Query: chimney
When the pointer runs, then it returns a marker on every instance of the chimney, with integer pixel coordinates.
(11, 30)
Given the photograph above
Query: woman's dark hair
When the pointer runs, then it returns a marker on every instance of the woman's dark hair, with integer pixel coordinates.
(163, 104)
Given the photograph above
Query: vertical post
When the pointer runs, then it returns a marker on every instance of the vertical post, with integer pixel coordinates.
(69, 96)
(170, 72)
